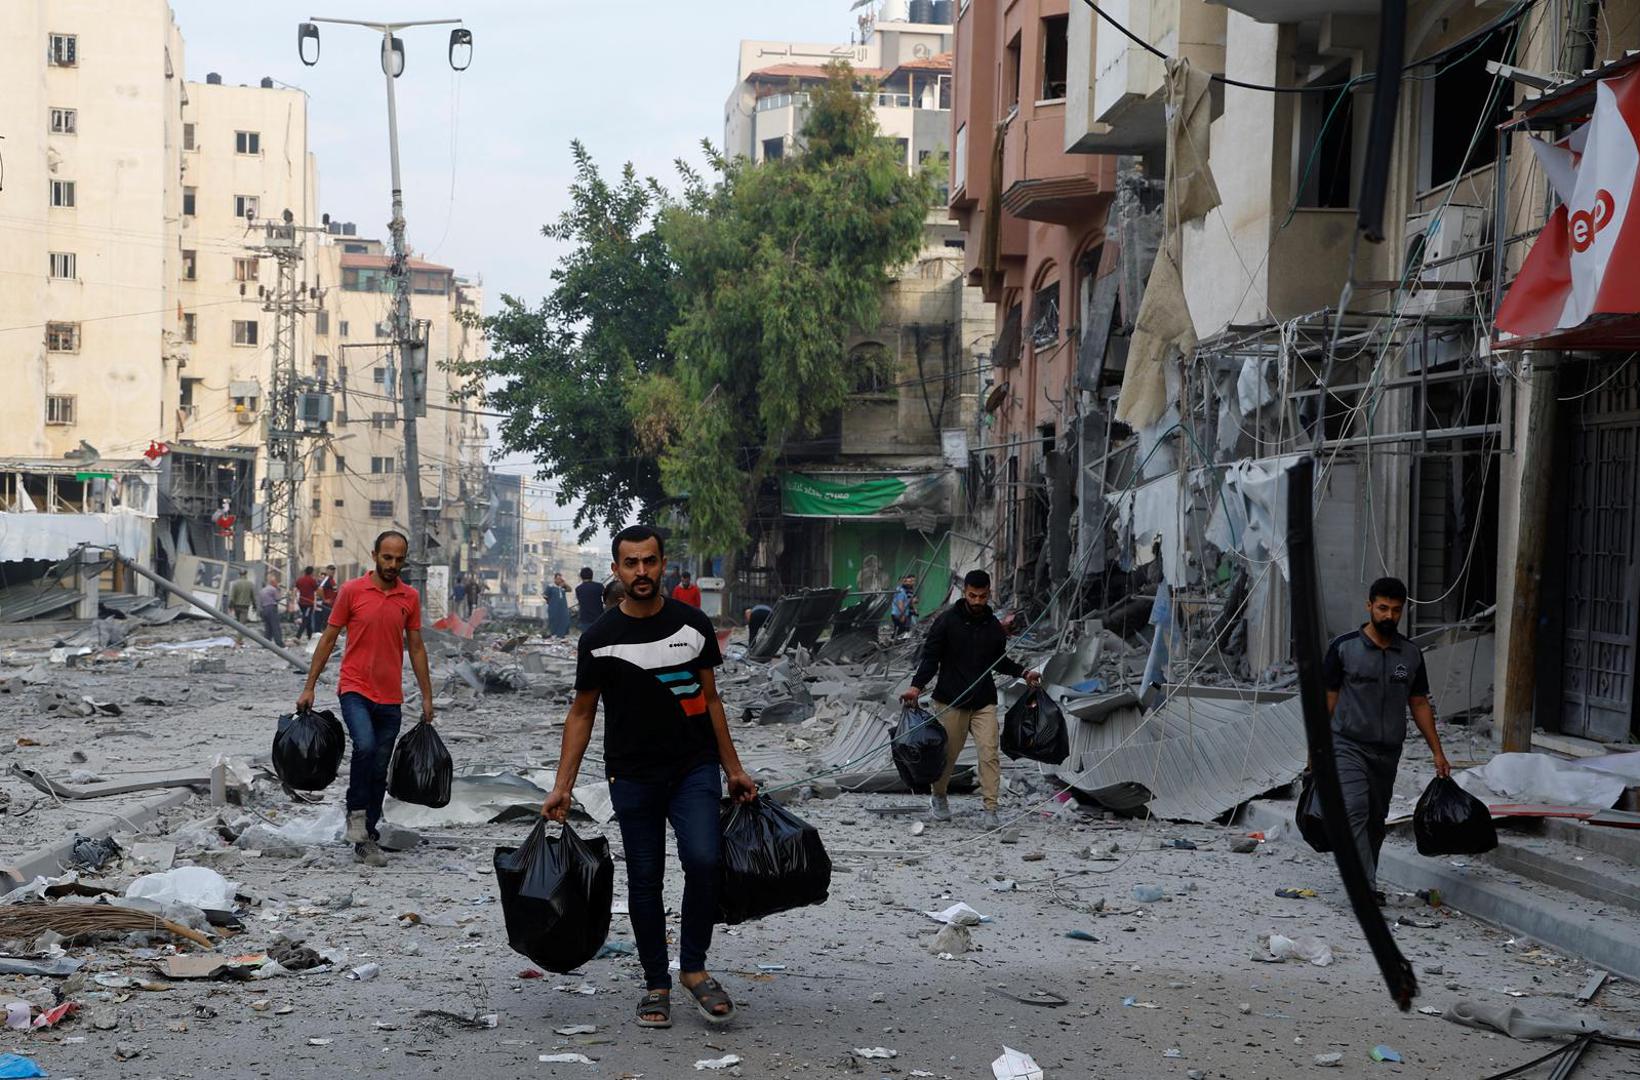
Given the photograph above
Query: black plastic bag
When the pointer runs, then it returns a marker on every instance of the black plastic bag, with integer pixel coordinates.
(556, 896)
(421, 769)
(1450, 821)
(1035, 728)
(772, 861)
(1308, 816)
(919, 749)
(308, 748)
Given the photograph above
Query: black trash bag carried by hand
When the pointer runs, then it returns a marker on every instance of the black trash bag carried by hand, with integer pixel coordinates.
(421, 770)
(1035, 729)
(1450, 821)
(308, 748)
(772, 861)
(556, 896)
(919, 749)
(1308, 816)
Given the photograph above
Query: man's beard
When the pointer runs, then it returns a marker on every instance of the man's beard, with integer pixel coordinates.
(387, 575)
(1385, 627)
(641, 586)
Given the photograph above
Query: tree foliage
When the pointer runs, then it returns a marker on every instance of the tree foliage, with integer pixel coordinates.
(563, 371)
(778, 264)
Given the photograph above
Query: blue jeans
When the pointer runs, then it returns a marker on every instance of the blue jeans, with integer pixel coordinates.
(691, 803)
(372, 728)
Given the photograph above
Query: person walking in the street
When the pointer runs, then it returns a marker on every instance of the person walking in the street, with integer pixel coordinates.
(558, 607)
(1374, 676)
(382, 617)
(307, 593)
(589, 599)
(665, 740)
(902, 609)
(686, 591)
(614, 593)
(241, 598)
(965, 645)
(267, 601)
(327, 599)
(475, 594)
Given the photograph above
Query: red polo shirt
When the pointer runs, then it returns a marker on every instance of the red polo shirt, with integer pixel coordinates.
(373, 659)
(688, 594)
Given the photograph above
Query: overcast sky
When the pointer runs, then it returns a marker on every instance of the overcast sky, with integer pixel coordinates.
(642, 81)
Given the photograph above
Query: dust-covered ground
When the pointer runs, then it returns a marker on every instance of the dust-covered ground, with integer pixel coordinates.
(1166, 989)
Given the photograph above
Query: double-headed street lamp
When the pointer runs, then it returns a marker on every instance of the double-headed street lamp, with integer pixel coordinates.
(412, 373)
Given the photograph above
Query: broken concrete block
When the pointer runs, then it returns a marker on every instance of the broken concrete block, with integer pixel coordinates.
(208, 665)
(396, 837)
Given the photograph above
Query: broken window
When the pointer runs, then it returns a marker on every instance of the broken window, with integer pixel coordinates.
(1045, 316)
(1324, 151)
(1006, 354)
(1464, 104)
(1055, 54)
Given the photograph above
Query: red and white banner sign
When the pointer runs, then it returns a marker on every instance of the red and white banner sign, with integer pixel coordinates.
(1584, 261)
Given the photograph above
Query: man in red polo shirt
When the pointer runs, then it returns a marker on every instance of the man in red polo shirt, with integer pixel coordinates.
(382, 617)
(307, 588)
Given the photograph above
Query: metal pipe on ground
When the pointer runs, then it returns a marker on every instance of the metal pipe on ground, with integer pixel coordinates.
(238, 627)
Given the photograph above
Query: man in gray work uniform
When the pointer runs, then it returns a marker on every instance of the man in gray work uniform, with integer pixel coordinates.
(1374, 675)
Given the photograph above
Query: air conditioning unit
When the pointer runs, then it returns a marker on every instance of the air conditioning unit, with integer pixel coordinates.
(1443, 250)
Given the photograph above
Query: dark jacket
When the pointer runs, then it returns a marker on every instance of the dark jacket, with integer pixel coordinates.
(965, 649)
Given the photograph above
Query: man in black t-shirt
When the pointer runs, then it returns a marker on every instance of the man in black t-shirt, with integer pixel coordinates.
(665, 740)
(589, 597)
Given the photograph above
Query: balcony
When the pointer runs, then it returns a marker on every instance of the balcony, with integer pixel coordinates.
(1116, 88)
(1040, 182)
(1287, 11)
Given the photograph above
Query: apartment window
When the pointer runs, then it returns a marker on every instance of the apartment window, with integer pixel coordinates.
(774, 149)
(190, 327)
(64, 121)
(62, 193)
(1055, 54)
(64, 50)
(188, 137)
(382, 330)
(1323, 154)
(247, 142)
(59, 408)
(378, 376)
(190, 264)
(64, 265)
(245, 331)
(321, 367)
(341, 464)
(246, 206)
(1455, 104)
(244, 269)
(381, 465)
(62, 337)
(339, 502)
(321, 322)
(185, 396)
(1045, 316)
(379, 420)
(188, 201)
(381, 508)
(1010, 74)
(342, 329)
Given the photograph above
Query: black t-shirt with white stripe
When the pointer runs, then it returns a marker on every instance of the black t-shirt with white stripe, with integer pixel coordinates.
(647, 672)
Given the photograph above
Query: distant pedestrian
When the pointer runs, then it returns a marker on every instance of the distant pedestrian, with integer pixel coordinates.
(965, 645)
(756, 616)
(241, 598)
(589, 598)
(557, 595)
(475, 594)
(614, 593)
(458, 595)
(902, 609)
(382, 617)
(686, 591)
(1374, 677)
(328, 587)
(267, 600)
(307, 593)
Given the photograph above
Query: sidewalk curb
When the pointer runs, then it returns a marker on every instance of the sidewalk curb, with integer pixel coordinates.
(1607, 943)
(48, 861)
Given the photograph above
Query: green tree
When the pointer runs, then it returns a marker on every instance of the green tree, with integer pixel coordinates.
(778, 264)
(564, 372)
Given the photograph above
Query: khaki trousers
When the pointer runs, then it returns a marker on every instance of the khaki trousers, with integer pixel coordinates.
(987, 740)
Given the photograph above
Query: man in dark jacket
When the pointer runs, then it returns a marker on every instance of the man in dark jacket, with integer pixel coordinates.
(965, 645)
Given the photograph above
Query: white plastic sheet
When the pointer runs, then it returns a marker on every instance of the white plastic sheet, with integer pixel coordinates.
(1538, 778)
(196, 885)
(1014, 1065)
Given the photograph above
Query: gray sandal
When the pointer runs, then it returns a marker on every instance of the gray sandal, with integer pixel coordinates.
(708, 994)
(656, 1001)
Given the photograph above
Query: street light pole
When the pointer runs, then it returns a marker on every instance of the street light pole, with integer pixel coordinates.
(412, 351)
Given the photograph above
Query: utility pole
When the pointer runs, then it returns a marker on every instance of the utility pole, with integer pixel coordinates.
(1531, 545)
(288, 300)
(412, 351)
